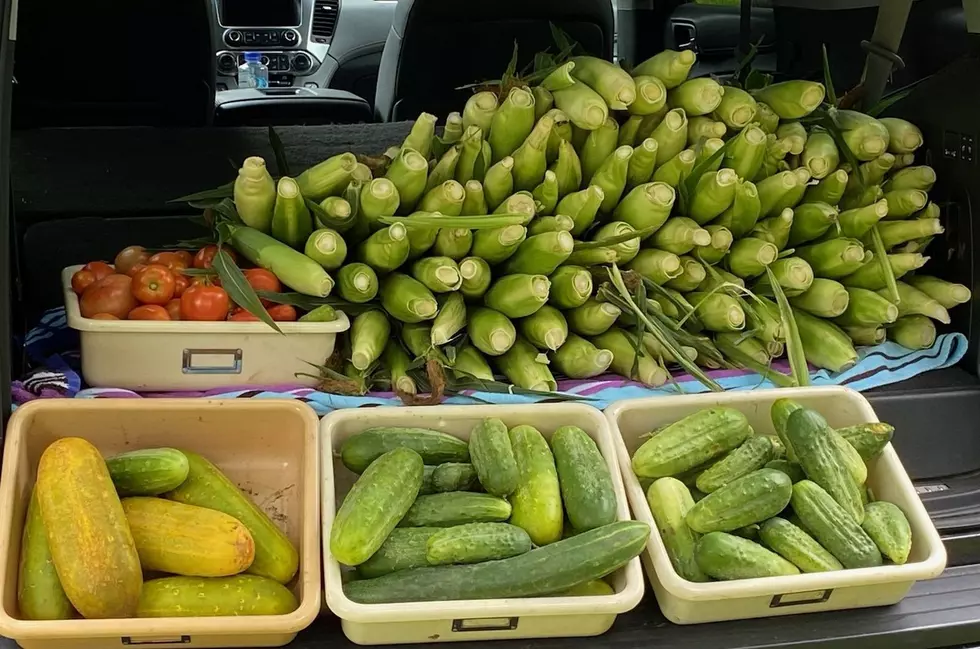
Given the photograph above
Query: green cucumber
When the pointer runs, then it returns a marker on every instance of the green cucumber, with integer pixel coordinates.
(537, 499)
(779, 413)
(591, 588)
(726, 556)
(493, 457)
(690, 442)
(751, 499)
(750, 532)
(39, 592)
(542, 571)
(792, 469)
(813, 442)
(868, 439)
(670, 501)
(584, 478)
(403, 549)
(435, 447)
(796, 546)
(833, 526)
(851, 458)
(476, 542)
(148, 472)
(750, 456)
(889, 528)
(455, 508)
(453, 476)
(375, 504)
(427, 486)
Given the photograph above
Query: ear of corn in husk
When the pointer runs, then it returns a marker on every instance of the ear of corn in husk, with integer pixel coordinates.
(669, 66)
(903, 137)
(523, 367)
(776, 230)
(825, 298)
(625, 362)
(811, 221)
(409, 172)
(680, 235)
(869, 275)
(834, 258)
(721, 243)
(912, 301)
(598, 146)
(642, 163)
(866, 335)
(698, 96)
(512, 122)
(611, 177)
(546, 329)
(913, 332)
(676, 170)
(541, 254)
(646, 206)
(671, 134)
(397, 361)
(792, 99)
(865, 308)
(659, 266)
(546, 194)
(471, 363)
(357, 283)
(406, 299)
(490, 331)
(691, 275)
(327, 248)
(584, 106)
(592, 317)
(946, 293)
(328, 178)
(567, 169)
(369, 334)
(744, 212)
(255, 194)
(476, 277)
(858, 222)
(747, 151)
(577, 358)
(704, 127)
(824, 343)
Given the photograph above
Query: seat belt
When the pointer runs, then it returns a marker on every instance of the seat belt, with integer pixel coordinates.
(893, 15)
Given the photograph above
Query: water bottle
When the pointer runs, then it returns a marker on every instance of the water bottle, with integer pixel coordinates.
(253, 73)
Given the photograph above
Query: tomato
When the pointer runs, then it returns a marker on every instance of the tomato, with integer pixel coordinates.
(283, 313)
(185, 256)
(99, 268)
(129, 257)
(205, 256)
(173, 308)
(81, 280)
(262, 280)
(241, 315)
(135, 269)
(181, 282)
(203, 302)
(112, 294)
(154, 285)
(172, 260)
(149, 312)
(104, 316)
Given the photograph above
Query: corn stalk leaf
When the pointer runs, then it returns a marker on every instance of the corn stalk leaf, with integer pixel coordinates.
(690, 183)
(743, 68)
(224, 191)
(238, 288)
(612, 241)
(886, 268)
(748, 362)
(282, 165)
(308, 303)
(828, 81)
(794, 345)
(227, 210)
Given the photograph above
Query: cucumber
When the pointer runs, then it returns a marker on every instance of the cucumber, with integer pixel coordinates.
(375, 504)
(215, 596)
(537, 499)
(591, 588)
(690, 477)
(889, 528)
(796, 546)
(427, 486)
(792, 469)
(812, 441)
(453, 476)
(476, 542)
(39, 592)
(542, 571)
(833, 526)
(493, 457)
(779, 413)
(147, 472)
(750, 532)
(403, 549)
(851, 458)
(435, 447)
(868, 439)
(726, 556)
(455, 508)
(670, 501)
(751, 499)
(750, 456)
(692, 441)
(584, 478)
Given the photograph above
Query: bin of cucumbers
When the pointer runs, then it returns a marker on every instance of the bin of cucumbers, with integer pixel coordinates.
(503, 521)
(772, 502)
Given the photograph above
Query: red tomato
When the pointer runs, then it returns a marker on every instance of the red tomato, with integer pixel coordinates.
(172, 260)
(173, 308)
(203, 302)
(283, 313)
(129, 257)
(135, 269)
(241, 315)
(149, 312)
(181, 282)
(81, 280)
(99, 268)
(104, 316)
(154, 285)
(262, 280)
(205, 256)
(112, 294)
(185, 256)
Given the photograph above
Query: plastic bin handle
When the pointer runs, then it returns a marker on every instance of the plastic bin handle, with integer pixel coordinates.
(129, 641)
(485, 624)
(800, 599)
(232, 366)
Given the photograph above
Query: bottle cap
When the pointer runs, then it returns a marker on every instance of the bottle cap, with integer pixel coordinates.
(253, 57)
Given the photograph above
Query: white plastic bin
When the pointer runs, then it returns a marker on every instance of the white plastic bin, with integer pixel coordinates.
(149, 355)
(488, 619)
(685, 602)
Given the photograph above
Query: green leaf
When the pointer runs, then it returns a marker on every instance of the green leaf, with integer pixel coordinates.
(691, 182)
(239, 290)
(794, 345)
(886, 268)
(756, 80)
(224, 191)
(227, 209)
(308, 303)
(619, 238)
(511, 70)
(199, 272)
(828, 81)
(744, 67)
(561, 39)
(282, 165)
(748, 362)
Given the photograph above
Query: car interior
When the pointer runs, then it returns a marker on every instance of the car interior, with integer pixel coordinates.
(97, 141)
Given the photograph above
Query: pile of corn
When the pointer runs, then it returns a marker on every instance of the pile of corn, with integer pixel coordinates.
(501, 245)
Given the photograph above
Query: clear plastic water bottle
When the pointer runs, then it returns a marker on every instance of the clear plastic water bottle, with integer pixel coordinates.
(253, 73)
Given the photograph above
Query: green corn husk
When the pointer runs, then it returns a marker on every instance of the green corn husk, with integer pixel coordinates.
(894, 233)
(629, 130)
(540, 254)
(512, 123)
(396, 361)
(651, 95)
(825, 298)
(386, 249)
(571, 287)
(737, 109)
(560, 78)
(829, 190)
(903, 203)
(903, 160)
(793, 197)
(446, 199)
(704, 128)
(824, 344)
(646, 206)
(611, 178)
(328, 178)
(598, 145)
(612, 83)
(498, 183)
(903, 137)
(567, 169)
(357, 283)
(746, 153)
(691, 275)
(947, 294)
(866, 335)
(717, 311)
(820, 155)
(498, 244)
(450, 320)
(749, 257)
(479, 111)
(680, 235)
(407, 299)
(744, 212)
(525, 368)
(470, 155)
(670, 66)
(642, 164)
(339, 215)
(751, 354)
(793, 274)
(764, 318)
(811, 221)
(869, 275)
(671, 134)
(721, 243)
(474, 199)
(858, 222)
(545, 329)
(327, 248)
(592, 317)
(420, 137)
(644, 369)
(362, 173)
(416, 337)
(663, 355)
(490, 331)
(544, 101)
(913, 332)
(471, 363)
(293, 268)
(774, 190)
(649, 124)
(865, 136)
(561, 131)
(863, 198)
(557, 223)
(378, 198)
(546, 194)
(438, 274)
(866, 308)
(795, 135)
(912, 301)
(593, 256)
(421, 240)
(518, 295)
(322, 313)
(715, 193)
(577, 358)
(766, 117)
(453, 130)
(292, 222)
(368, 335)
(834, 258)
(625, 250)
(704, 150)
(658, 266)
(921, 178)
(871, 173)
(696, 97)
(776, 230)
(677, 169)
(584, 106)
(444, 170)
(773, 160)
(409, 172)
(454, 243)
(530, 158)
(476, 277)
(930, 211)
(521, 203)
(255, 194)
(792, 99)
